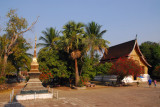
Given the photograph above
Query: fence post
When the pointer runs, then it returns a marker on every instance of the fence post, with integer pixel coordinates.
(35, 96)
(13, 92)
(57, 95)
(52, 94)
(10, 97)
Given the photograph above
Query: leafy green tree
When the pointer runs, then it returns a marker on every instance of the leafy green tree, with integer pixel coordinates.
(94, 39)
(72, 42)
(20, 58)
(151, 51)
(15, 27)
(49, 59)
(103, 69)
(3, 42)
(156, 71)
(51, 37)
(87, 68)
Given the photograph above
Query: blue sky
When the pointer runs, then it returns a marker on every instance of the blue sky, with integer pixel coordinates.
(122, 19)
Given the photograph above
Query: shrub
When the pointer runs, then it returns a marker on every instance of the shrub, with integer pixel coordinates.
(27, 78)
(46, 76)
(81, 82)
(125, 67)
(156, 71)
(2, 80)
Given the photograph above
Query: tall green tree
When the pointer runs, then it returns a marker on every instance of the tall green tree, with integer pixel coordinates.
(3, 42)
(51, 37)
(151, 51)
(16, 27)
(87, 68)
(9, 69)
(156, 72)
(94, 39)
(72, 42)
(20, 58)
(50, 59)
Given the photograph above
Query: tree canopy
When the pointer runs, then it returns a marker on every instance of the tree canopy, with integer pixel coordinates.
(72, 45)
(11, 42)
(51, 37)
(151, 51)
(94, 39)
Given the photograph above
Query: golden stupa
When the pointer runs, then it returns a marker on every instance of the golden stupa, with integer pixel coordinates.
(34, 85)
(34, 71)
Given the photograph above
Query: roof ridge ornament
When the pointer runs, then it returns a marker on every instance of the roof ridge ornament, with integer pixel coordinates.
(136, 37)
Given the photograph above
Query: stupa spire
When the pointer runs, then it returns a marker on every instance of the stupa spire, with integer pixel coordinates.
(35, 46)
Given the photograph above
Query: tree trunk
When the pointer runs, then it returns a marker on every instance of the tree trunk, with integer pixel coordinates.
(18, 79)
(76, 73)
(92, 54)
(4, 64)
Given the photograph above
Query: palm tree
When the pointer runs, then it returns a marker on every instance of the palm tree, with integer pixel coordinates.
(94, 38)
(51, 37)
(72, 42)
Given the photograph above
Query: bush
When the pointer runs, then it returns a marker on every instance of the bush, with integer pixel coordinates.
(2, 80)
(27, 78)
(125, 67)
(156, 72)
(81, 82)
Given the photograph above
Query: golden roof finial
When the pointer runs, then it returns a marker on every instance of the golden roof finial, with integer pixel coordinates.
(136, 36)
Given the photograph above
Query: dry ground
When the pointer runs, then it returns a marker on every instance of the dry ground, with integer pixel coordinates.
(100, 96)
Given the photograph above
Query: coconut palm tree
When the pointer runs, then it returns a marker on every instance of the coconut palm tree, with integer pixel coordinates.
(72, 42)
(51, 37)
(94, 39)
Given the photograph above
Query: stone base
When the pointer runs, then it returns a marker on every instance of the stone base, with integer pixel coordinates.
(34, 96)
(34, 86)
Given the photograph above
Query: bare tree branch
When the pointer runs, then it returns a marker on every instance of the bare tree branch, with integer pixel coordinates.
(29, 28)
(15, 36)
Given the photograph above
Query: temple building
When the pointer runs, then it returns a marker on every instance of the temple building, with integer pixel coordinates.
(128, 49)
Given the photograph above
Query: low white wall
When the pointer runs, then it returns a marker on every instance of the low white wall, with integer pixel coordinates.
(34, 96)
(128, 79)
(105, 78)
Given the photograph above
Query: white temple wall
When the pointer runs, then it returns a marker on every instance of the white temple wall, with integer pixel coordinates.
(128, 79)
